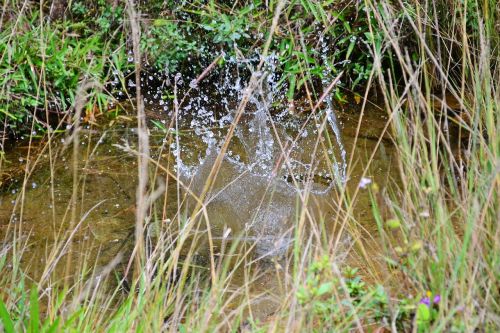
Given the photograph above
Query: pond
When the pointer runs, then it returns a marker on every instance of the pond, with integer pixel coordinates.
(282, 168)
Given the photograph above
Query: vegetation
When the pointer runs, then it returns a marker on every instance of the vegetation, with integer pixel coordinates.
(437, 223)
(316, 41)
(43, 62)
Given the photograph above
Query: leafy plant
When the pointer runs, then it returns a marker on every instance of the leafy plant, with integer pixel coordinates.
(27, 316)
(43, 65)
(167, 45)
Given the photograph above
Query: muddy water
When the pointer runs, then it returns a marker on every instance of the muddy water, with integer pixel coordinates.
(36, 207)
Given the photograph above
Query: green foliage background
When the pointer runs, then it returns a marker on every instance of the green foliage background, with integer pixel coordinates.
(43, 59)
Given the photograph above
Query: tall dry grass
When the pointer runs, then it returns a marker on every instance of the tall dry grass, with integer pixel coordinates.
(443, 236)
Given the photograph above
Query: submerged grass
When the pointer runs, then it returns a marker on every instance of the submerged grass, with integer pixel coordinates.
(438, 224)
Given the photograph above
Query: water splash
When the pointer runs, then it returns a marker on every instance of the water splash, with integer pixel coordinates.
(273, 157)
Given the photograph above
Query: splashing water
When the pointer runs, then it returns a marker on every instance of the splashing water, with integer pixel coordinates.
(273, 157)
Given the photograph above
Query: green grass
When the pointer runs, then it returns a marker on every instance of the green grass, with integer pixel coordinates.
(42, 63)
(438, 223)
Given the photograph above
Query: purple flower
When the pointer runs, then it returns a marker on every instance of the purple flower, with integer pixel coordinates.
(364, 182)
(425, 301)
(436, 299)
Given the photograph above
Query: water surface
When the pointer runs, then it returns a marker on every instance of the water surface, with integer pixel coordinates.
(254, 198)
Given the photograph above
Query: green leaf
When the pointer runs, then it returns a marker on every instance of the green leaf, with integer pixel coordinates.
(34, 312)
(53, 327)
(350, 49)
(325, 288)
(393, 223)
(8, 325)
(291, 90)
(160, 126)
(5, 112)
(160, 22)
(302, 294)
(423, 313)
